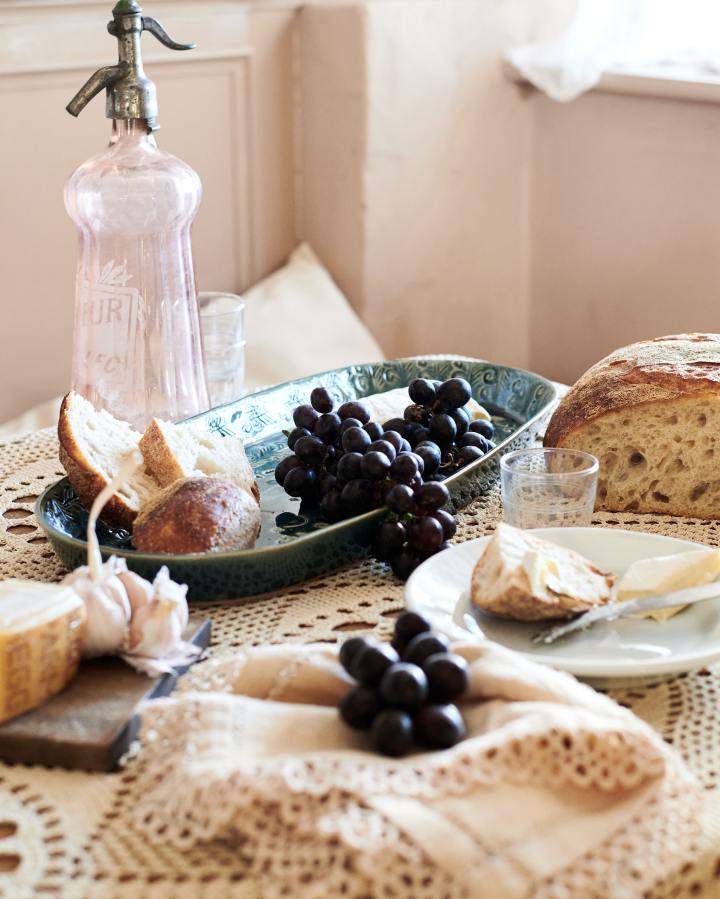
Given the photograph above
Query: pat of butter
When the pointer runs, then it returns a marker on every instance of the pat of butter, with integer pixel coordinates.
(541, 572)
(392, 404)
(664, 574)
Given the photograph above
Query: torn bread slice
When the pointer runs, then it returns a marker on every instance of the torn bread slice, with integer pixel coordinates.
(92, 445)
(179, 451)
(522, 576)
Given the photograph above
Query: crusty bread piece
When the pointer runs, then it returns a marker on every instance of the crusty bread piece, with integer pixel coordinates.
(189, 451)
(92, 444)
(522, 576)
(197, 515)
(650, 412)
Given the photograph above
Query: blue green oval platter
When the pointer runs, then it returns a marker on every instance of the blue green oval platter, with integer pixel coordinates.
(294, 544)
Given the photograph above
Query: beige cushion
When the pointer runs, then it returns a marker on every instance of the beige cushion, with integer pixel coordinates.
(297, 322)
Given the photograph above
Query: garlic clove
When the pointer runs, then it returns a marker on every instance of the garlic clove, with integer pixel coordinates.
(108, 614)
(139, 591)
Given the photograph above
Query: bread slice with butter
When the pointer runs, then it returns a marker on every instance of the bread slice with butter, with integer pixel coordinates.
(522, 576)
(41, 634)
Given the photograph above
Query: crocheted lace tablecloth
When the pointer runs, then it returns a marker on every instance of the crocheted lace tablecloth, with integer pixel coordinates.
(70, 834)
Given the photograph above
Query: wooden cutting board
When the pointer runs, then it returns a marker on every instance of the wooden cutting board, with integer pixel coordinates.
(92, 722)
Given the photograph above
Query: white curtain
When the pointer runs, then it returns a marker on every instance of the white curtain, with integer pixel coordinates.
(623, 34)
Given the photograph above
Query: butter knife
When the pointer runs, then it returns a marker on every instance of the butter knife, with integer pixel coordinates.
(632, 607)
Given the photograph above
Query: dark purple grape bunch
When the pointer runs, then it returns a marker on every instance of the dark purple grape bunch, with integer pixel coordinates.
(439, 428)
(417, 527)
(406, 689)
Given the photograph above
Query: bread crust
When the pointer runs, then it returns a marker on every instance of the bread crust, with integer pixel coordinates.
(159, 458)
(86, 481)
(650, 371)
(197, 515)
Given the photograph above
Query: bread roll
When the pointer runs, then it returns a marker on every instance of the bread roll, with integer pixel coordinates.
(650, 412)
(198, 515)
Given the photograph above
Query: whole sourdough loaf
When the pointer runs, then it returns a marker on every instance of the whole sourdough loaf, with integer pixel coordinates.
(650, 412)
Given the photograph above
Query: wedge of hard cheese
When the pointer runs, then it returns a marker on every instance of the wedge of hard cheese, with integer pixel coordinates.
(522, 576)
(41, 635)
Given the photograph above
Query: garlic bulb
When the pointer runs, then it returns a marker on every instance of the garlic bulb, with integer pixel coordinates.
(107, 606)
(156, 629)
(125, 613)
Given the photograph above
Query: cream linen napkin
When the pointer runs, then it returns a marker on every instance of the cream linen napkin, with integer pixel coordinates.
(557, 791)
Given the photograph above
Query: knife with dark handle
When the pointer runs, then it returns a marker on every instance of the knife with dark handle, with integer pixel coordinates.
(632, 607)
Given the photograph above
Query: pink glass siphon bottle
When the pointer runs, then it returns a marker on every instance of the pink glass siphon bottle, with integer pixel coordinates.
(137, 349)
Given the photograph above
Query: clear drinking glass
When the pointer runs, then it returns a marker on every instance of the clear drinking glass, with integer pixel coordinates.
(548, 487)
(137, 350)
(222, 320)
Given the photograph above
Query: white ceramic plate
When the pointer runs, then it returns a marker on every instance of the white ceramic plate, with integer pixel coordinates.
(626, 651)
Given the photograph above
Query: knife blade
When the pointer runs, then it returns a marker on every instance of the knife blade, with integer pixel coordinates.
(613, 610)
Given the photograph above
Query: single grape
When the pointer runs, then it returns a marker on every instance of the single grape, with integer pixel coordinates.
(331, 506)
(423, 646)
(355, 440)
(404, 563)
(372, 662)
(305, 417)
(284, 466)
(430, 453)
(484, 427)
(416, 434)
(326, 482)
(394, 424)
(420, 461)
(425, 534)
(349, 467)
(404, 468)
(454, 393)
(357, 496)
(380, 492)
(394, 438)
(383, 446)
(310, 450)
(400, 499)
(442, 428)
(327, 427)
(349, 652)
(407, 626)
(355, 409)
(350, 423)
(359, 707)
(468, 454)
(447, 522)
(439, 726)
(374, 465)
(405, 446)
(374, 430)
(389, 540)
(461, 419)
(295, 435)
(431, 497)
(448, 676)
(322, 400)
(392, 733)
(403, 686)
(474, 439)
(421, 391)
(300, 482)
(415, 414)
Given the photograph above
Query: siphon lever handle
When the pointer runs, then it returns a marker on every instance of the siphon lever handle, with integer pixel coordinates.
(157, 31)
